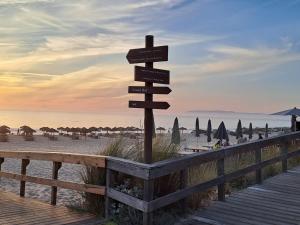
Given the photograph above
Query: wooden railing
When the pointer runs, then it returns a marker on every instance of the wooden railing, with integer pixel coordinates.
(156, 170)
(57, 159)
(150, 172)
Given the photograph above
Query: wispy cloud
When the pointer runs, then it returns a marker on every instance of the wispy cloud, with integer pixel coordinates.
(237, 61)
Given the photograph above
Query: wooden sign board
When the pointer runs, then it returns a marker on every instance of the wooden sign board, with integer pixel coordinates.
(148, 105)
(143, 55)
(151, 75)
(149, 90)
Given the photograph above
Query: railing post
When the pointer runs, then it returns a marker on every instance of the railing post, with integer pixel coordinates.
(148, 196)
(183, 185)
(1, 161)
(221, 172)
(25, 163)
(107, 199)
(284, 153)
(55, 168)
(257, 162)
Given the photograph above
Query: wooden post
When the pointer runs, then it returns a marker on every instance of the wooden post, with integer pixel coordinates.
(1, 161)
(148, 196)
(148, 126)
(25, 163)
(257, 162)
(221, 172)
(107, 199)
(183, 185)
(55, 169)
(284, 153)
(148, 123)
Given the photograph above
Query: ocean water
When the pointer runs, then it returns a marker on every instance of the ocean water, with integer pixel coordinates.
(36, 120)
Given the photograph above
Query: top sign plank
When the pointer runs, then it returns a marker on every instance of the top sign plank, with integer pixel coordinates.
(143, 55)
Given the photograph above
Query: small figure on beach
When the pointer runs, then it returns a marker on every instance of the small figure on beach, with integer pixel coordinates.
(260, 136)
(217, 145)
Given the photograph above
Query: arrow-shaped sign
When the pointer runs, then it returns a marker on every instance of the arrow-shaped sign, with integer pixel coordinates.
(148, 105)
(145, 74)
(149, 90)
(143, 55)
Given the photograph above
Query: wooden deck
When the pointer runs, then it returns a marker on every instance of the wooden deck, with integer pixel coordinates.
(275, 202)
(15, 210)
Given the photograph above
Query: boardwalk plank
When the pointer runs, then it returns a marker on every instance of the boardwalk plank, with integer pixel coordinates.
(275, 202)
(24, 211)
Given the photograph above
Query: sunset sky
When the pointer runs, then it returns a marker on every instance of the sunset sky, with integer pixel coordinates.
(70, 55)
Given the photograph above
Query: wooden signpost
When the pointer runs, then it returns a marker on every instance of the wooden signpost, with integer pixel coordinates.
(149, 75)
(149, 90)
(148, 54)
(148, 105)
(145, 74)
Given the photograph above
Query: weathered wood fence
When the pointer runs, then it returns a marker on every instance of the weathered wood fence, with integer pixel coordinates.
(150, 172)
(156, 170)
(57, 159)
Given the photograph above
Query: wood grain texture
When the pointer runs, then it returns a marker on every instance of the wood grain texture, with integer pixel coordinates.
(274, 202)
(95, 189)
(24, 211)
(73, 158)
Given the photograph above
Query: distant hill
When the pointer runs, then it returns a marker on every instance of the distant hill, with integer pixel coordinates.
(221, 111)
(211, 111)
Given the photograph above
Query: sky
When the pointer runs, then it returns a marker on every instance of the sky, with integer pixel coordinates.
(70, 55)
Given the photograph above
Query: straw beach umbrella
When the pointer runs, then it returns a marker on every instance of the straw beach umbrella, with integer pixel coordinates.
(239, 130)
(175, 133)
(44, 130)
(250, 131)
(160, 129)
(221, 133)
(27, 133)
(107, 129)
(52, 131)
(208, 131)
(197, 129)
(4, 130)
(182, 129)
(267, 131)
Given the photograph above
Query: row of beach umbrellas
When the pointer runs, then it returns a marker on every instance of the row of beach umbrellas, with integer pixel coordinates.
(222, 133)
(90, 129)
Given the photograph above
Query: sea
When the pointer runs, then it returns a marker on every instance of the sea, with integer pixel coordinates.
(15, 119)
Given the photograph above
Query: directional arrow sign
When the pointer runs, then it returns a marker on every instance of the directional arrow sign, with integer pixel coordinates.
(149, 90)
(148, 105)
(142, 55)
(151, 75)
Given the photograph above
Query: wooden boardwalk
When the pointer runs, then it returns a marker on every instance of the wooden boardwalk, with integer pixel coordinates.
(275, 202)
(15, 210)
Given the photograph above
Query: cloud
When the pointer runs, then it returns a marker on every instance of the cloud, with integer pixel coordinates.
(13, 2)
(236, 61)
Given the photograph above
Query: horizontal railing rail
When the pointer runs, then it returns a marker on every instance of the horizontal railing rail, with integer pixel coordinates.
(57, 159)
